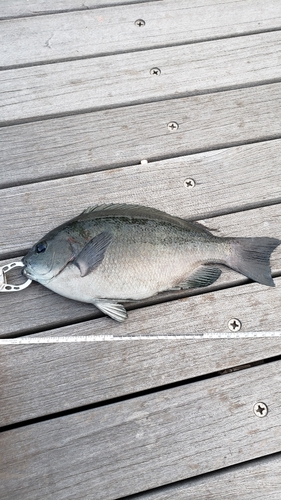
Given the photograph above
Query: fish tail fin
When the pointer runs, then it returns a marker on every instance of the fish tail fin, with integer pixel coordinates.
(251, 257)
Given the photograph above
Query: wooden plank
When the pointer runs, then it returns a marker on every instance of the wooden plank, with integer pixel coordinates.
(135, 445)
(24, 8)
(117, 80)
(55, 37)
(38, 308)
(77, 144)
(249, 480)
(28, 212)
(38, 380)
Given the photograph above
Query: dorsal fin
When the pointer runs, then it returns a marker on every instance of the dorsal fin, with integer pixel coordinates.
(136, 212)
(126, 210)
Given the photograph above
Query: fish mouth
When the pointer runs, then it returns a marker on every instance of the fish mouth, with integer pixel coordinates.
(26, 274)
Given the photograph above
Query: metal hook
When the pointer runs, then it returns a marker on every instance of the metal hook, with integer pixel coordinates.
(4, 286)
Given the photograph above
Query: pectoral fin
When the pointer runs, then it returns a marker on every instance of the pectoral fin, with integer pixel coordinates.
(93, 253)
(111, 308)
(203, 276)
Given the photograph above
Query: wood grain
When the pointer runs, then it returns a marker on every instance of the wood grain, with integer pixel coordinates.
(94, 62)
(76, 144)
(23, 8)
(145, 442)
(117, 80)
(55, 37)
(222, 185)
(249, 480)
(38, 308)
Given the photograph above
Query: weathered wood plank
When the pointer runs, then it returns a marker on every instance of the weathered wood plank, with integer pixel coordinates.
(38, 308)
(222, 184)
(77, 144)
(54, 37)
(117, 80)
(16, 8)
(250, 480)
(145, 442)
(51, 378)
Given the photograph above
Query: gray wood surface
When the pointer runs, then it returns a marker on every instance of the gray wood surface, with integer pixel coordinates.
(146, 442)
(50, 378)
(76, 144)
(116, 80)
(55, 37)
(222, 185)
(79, 111)
(38, 308)
(16, 8)
(252, 480)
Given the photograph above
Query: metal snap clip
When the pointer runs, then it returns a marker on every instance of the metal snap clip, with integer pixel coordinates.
(6, 287)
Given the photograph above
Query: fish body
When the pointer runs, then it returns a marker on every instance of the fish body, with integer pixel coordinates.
(113, 253)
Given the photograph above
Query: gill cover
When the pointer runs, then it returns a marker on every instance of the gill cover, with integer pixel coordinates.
(48, 257)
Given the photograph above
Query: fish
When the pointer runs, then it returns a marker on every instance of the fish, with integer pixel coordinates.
(113, 253)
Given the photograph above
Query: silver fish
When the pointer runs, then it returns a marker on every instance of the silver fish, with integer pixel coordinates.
(113, 253)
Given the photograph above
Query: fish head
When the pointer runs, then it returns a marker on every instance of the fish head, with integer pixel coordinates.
(48, 258)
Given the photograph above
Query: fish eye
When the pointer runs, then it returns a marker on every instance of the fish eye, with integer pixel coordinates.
(41, 247)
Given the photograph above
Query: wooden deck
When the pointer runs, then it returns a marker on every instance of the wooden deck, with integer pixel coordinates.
(87, 93)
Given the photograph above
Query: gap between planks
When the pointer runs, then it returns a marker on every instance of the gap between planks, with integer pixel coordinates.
(104, 371)
(107, 370)
(24, 414)
(136, 50)
(63, 147)
(37, 206)
(17, 9)
(137, 102)
(106, 31)
(134, 104)
(37, 91)
(87, 450)
(252, 479)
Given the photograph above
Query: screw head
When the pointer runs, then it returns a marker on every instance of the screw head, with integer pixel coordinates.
(260, 409)
(172, 126)
(139, 23)
(155, 71)
(234, 325)
(189, 183)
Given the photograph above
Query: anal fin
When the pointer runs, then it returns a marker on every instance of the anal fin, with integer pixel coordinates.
(202, 276)
(111, 308)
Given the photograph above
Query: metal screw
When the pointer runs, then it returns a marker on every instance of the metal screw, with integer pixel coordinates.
(234, 325)
(155, 71)
(189, 183)
(260, 410)
(140, 22)
(172, 126)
